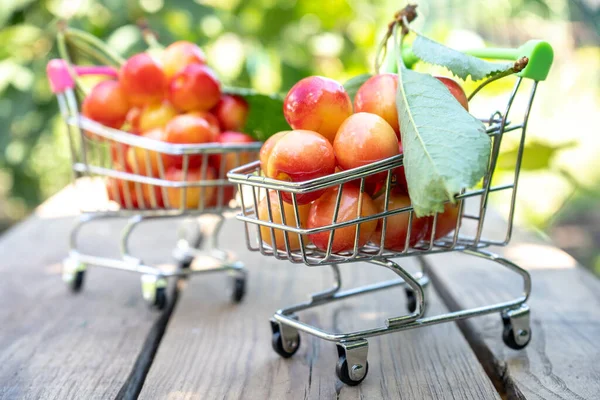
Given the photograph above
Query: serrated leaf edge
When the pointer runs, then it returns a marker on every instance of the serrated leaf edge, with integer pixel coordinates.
(501, 67)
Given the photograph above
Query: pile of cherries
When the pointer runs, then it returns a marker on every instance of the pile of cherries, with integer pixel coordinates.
(175, 99)
(332, 134)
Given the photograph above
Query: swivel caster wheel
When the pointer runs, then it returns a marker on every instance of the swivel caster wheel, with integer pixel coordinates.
(238, 288)
(352, 366)
(284, 346)
(160, 298)
(186, 263)
(73, 274)
(411, 301)
(517, 330)
(154, 290)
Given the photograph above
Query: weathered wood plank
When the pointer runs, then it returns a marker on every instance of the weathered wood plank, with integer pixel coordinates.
(563, 359)
(216, 350)
(56, 345)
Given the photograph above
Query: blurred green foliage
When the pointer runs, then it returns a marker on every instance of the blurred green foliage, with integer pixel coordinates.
(269, 45)
(259, 43)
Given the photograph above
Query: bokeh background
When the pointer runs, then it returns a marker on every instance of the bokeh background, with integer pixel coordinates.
(270, 44)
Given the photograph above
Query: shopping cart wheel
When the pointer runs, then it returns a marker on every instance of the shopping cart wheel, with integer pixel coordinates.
(292, 345)
(154, 290)
(73, 274)
(517, 331)
(160, 299)
(77, 282)
(239, 288)
(359, 371)
(186, 263)
(411, 301)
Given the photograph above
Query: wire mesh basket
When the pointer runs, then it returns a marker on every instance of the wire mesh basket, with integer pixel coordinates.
(272, 217)
(123, 175)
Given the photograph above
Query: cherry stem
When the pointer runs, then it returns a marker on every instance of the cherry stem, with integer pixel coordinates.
(518, 66)
(402, 17)
(149, 36)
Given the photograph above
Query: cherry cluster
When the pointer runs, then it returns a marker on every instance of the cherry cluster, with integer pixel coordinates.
(331, 133)
(177, 99)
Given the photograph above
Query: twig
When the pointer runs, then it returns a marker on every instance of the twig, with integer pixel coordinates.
(403, 18)
(149, 36)
(518, 66)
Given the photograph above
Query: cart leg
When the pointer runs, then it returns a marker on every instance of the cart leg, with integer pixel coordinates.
(206, 237)
(515, 317)
(411, 298)
(213, 239)
(413, 285)
(126, 234)
(352, 366)
(73, 270)
(508, 264)
(329, 293)
(188, 241)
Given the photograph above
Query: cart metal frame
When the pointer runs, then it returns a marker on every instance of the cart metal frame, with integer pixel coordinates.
(99, 151)
(352, 366)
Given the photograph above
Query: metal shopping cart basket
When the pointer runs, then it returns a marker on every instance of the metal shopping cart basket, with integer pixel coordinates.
(352, 347)
(98, 152)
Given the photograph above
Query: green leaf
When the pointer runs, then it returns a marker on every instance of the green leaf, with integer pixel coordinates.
(446, 149)
(265, 116)
(460, 64)
(353, 84)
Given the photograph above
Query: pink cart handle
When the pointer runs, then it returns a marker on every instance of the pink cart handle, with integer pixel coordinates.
(61, 80)
(59, 76)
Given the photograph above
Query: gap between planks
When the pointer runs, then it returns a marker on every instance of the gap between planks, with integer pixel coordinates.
(495, 369)
(135, 381)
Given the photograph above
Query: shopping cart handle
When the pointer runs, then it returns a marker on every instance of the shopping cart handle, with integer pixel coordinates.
(59, 76)
(539, 53)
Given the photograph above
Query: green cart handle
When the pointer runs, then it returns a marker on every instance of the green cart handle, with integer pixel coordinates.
(539, 53)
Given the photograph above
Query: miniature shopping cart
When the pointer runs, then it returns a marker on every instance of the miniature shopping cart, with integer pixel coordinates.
(98, 152)
(352, 347)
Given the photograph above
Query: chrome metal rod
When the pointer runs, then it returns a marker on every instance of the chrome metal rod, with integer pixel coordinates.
(493, 161)
(139, 268)
(424, 281)
(284, 315)
(126, 233)
(508, 264)
(518, 164)
(337, 285)
(437, 319)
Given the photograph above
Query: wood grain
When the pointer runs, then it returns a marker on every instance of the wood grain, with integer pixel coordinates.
(102, 342)
(56, 345)
(216, 350)
(563, 359)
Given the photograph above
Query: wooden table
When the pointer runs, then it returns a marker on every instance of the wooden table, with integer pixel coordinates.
(106, 343)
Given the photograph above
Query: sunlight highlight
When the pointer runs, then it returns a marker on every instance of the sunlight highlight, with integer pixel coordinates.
(539, 256)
